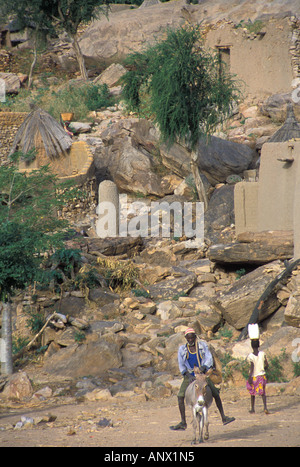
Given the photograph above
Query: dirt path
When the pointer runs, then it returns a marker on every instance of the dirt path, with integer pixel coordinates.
(146, 424)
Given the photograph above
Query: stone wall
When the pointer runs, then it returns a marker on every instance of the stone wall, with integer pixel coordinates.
(9, 125)
(295, 46)
(83, 206)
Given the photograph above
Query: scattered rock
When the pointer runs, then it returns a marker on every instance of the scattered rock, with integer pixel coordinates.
(292, 310)
(111, 75)
(174, 287)
(104, 423)
(25, 422)
(12, 82)
(80, 127)
(79, 323)
(43, 394)
(66, 338)
(168, 310)
(18, 387)
(98, 395)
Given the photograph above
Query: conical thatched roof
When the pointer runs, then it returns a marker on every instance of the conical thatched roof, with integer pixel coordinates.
(40, 124)
(289, 130)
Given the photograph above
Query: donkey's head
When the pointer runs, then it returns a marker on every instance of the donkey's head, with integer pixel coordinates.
(200, 386)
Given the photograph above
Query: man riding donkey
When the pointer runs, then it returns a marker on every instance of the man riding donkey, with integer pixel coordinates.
(196, 353)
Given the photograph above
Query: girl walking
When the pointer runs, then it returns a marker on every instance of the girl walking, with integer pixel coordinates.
(257, 380)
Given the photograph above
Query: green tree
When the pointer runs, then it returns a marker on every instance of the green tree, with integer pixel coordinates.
(185, 88)
(28, 13)
(54, 15)
(69, 14)
(28, 228)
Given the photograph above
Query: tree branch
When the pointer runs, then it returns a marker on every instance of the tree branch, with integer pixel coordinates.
(30, 344)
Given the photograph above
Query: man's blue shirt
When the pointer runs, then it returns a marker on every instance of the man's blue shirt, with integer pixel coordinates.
(204, 355)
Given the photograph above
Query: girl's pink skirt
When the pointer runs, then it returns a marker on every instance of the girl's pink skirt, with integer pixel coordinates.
(258, 387)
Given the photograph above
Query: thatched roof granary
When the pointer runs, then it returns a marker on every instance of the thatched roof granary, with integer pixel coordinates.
(289, 130)
(39, 129)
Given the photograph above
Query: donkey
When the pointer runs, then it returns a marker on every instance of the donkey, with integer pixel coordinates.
(199, 397)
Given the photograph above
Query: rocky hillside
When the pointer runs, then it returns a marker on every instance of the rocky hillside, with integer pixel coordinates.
(120, 330)
(109, 339)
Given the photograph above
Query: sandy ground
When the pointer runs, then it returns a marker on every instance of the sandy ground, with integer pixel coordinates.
(138, 423)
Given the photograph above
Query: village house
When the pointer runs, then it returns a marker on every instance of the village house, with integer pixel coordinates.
(272, 202)
(263, 54)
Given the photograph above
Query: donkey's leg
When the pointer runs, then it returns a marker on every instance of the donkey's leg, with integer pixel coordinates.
(201, 426)
(205, 416)
(195, 423)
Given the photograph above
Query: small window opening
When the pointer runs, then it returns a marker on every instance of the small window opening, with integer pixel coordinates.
(224, 58)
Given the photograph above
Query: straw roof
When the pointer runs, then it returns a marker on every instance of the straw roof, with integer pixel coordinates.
(289, 130)
(40, 124)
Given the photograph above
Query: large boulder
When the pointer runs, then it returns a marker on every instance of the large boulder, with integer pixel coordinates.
(93, 359)
(220, 213)
(238, 302)
(219, 158)
(128, 31)
(128, 157)
(176, 158)
(133, 356)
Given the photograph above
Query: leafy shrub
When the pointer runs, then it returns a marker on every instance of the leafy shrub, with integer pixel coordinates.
(67, 259)
(296, 366)
(35, 321)
(140, 293)
(275, 371)
(89, 279)
(79, 100)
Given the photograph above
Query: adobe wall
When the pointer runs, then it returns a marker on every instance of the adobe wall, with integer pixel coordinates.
(76, 165)
(276, 190)
(296, 210)
(9, 125)
(272, 203)
(266, 63)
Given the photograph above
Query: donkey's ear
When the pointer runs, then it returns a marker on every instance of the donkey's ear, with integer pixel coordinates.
(197, 370)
